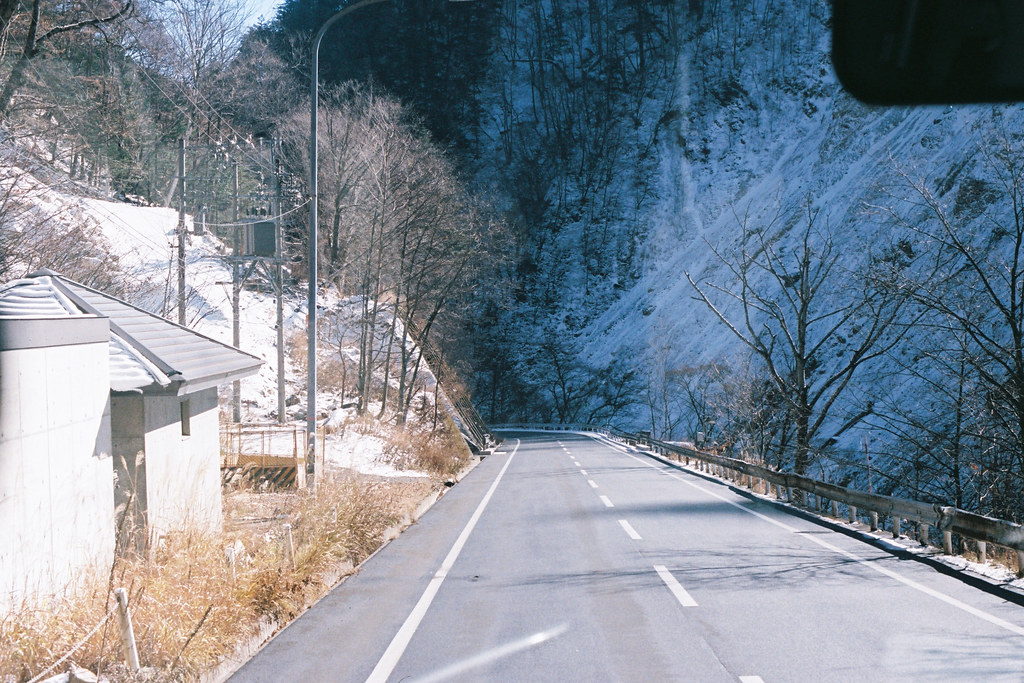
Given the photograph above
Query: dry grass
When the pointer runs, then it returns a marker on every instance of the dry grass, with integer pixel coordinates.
(189, 608)
(442, 454)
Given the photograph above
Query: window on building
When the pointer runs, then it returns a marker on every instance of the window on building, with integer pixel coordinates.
(186, 418)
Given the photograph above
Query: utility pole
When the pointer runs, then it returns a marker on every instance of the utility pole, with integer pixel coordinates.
(278, 277)
(181, 231)
(236, 288)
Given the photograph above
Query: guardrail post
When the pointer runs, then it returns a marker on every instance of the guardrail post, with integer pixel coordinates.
(922, 533)
(789, 495)
(853, 514)
(983, 552)
(1020, 564)
(947, 542)
(835, 508)
(874, 521)
(897, 523)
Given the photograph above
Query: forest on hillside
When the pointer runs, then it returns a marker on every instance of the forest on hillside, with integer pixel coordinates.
(652, 214)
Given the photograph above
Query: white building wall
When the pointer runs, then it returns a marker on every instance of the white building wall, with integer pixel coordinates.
(56, 498)
(183, 485)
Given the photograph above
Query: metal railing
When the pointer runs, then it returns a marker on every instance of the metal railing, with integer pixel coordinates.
(456, 400)
(266, 446)
(793, 488)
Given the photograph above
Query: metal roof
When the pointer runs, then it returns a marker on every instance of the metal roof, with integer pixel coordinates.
(147, 349)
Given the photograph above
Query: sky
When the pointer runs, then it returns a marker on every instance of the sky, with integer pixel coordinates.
(265, 8)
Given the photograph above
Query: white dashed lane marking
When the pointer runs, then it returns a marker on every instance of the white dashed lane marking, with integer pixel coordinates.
(628, 528)
(682, 596)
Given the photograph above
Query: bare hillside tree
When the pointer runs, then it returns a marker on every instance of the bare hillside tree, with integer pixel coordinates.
(974, 289)
(190, 44)
(404, 237)
(797, 312)
(941, 447)
(28, 28)
(36, 233)
(752, 422)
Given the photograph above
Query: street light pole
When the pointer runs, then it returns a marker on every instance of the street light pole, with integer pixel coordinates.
(313, 240)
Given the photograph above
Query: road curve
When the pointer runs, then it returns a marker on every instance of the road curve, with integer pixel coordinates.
(565, 558)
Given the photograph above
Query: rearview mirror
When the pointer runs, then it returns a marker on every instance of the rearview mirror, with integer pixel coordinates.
(929, 51)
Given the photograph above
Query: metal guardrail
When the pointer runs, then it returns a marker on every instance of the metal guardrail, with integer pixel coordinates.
(947, 519)
(456, 400)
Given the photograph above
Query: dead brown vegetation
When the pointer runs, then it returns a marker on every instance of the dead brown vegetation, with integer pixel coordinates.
(191, 604)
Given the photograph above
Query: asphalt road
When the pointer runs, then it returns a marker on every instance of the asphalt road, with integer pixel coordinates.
(563, 558)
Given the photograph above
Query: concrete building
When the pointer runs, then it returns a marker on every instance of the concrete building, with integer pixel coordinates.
(106, 412)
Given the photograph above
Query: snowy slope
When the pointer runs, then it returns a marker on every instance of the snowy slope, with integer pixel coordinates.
(751, 142)
(144, 239)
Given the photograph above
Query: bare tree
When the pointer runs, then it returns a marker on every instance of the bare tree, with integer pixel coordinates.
(31, 28)
(404, 235)
(793, 309)
(752, 420)
(973, 287)
(661, 396)
(190, 44)
(940, 449)
(36, 233)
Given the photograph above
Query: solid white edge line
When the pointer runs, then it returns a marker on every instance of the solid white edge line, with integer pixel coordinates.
(628, 528)
(400, 642)
(948, 599)
(607, 502)
(682, 596)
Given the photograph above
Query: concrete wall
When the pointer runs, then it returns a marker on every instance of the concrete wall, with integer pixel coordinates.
(56, 498)
(177, 478)
(183, 472)
(128, 441)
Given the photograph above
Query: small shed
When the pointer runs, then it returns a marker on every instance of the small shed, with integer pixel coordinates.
(108, 419)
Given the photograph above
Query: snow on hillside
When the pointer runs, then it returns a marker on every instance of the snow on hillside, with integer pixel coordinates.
(144, 239)
(752, 142)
